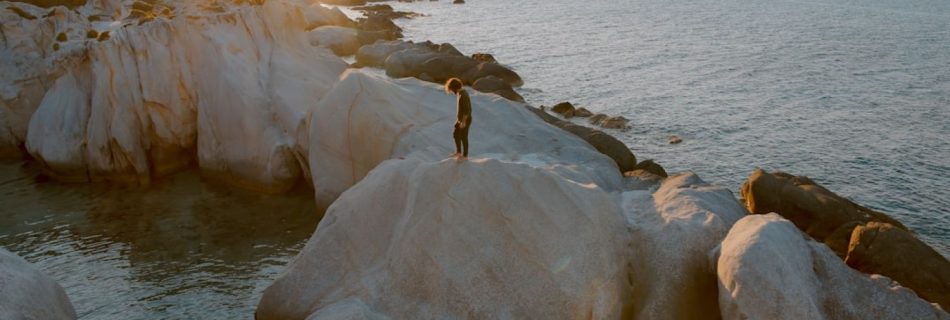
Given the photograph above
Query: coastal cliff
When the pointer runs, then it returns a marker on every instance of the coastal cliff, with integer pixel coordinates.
(543, 221)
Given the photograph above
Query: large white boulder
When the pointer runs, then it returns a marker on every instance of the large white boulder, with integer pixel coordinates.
(25, 70)
(27, 293)
(368, 118)
(480, 239)
(417, 236)
(231, 91)
(674, 227)
(768, 269)
(486, 238)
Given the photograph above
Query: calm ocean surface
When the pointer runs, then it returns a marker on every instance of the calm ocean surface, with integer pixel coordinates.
(855, 94)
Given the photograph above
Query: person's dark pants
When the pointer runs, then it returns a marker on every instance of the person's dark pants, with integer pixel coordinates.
(461, 139)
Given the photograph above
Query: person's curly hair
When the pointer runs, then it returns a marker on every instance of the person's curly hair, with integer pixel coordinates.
(453, 85)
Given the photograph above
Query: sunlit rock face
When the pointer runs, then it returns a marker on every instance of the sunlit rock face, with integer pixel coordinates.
(368, 118)
(768, 269)
(486, 238)
(447, 239)
(228, 88)
(26, 293)
(674, 227)
(536, 223)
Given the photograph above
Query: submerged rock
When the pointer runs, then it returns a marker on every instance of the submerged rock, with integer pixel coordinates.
(615, 122)
(582, 113)
(769, 270)
(881, 248)
(27, 293)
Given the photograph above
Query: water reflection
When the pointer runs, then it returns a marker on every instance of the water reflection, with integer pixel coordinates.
(178, 248)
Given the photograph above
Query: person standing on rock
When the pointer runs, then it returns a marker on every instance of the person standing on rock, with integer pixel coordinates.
(463, 118)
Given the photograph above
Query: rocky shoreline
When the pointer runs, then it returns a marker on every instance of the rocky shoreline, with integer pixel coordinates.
(549, 219)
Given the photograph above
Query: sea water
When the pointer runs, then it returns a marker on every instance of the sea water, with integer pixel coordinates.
(854, 94)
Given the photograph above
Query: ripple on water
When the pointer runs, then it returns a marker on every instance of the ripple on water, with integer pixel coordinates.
(178, 249)
(853, 94)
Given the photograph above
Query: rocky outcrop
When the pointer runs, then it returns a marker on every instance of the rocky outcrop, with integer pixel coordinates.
(582, 112)
(651, 167)
(30, 63)
(492, 84)
(130, 110)
(27, 293)
(550, 247)
(342, 40)
(770, 270)
(432, 62)
(317, 16)
(603, 142)
(821, 214)
(674, 228)
(483, 57)
(385, 11)
(596, 119)
(345, 2)
(881, 248)
(565, 109)
(615, 122)
(366, 119)
(410, 252)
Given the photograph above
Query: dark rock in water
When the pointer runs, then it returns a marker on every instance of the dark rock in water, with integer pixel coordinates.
(881, 248)
(812, 208)
(615, 122)
(485, 69)
(384, 11)
(675, 140)
(375, 8)
(484, 57)
(582, 113)
(345, 2)
(492, 84)
(563, 108)
(597, 119)
(605, 143)
(442, 67)
(459, 2)
(366, 37)
(379, 23)
(652, 167)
